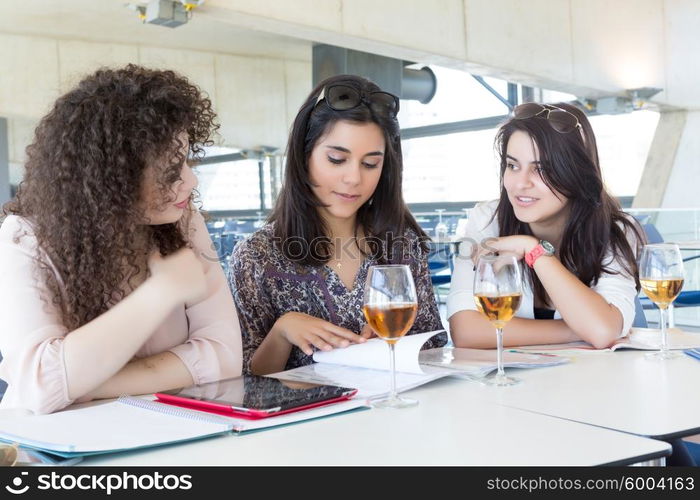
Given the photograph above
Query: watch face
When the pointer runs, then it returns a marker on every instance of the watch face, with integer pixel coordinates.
(549, 248)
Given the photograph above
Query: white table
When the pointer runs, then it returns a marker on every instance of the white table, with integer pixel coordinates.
(448, 427)
(618, 390)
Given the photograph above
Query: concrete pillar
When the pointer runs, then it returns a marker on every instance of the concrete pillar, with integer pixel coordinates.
(682, 186)
(660, 160)
(4, 162)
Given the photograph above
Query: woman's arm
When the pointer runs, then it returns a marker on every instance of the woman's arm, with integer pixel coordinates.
(471, 329)
(45, 365)
(160, 372)
(268, 335)
(98, 350)
(587, 313)
(301, 330)
(213, 348)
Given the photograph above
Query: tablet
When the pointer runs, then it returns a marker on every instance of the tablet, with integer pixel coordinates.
(252, 396)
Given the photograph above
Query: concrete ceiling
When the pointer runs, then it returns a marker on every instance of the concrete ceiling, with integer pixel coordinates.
(113, 21)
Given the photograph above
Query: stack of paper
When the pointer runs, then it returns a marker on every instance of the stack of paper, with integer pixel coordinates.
(367, 367)
(645, 339)
(131, 423)
(481, 362)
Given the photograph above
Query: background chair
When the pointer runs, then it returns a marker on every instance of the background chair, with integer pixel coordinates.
(439, 261)
(3, 385)
(640, 319)
(225, 235)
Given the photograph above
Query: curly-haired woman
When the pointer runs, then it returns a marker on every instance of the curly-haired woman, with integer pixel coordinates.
(109, 285)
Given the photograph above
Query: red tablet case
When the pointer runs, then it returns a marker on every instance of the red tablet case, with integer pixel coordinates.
(228, 411)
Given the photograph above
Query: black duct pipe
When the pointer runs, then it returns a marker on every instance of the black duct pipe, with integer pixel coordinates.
(390, 74)
(418, 84)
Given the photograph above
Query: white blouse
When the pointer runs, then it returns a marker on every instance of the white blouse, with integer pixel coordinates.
(617, 289)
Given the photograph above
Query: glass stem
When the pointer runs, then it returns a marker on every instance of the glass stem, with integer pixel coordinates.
(662, 320)
(499, 347)
(394, 394)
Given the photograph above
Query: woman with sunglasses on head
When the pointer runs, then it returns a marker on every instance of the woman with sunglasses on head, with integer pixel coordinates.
(577, 246)
(109, 285)
(298, 282)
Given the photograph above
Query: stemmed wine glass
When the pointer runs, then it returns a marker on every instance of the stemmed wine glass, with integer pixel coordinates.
(390, 306)
(497, 293)
(441, 229)
(259, 222)
(661, 277)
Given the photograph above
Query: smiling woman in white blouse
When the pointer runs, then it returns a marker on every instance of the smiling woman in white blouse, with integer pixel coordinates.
(577, 246)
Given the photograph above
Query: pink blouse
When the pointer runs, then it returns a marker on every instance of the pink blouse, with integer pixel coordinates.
(205, 335)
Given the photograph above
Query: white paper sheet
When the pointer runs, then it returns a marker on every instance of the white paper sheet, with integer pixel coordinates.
(367, 367)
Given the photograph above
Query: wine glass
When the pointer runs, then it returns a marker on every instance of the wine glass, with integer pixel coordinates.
(390, 306)
(259, 222)
(497, 293)
(661, 277)
(440, 228)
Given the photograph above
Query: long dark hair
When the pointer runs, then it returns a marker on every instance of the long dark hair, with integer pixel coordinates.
(596, 223)
(84, 174)
(296, 215)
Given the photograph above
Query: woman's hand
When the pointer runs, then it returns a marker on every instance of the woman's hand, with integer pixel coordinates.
(306, 332)
(517, 245)
(181, 275)
(367, 332)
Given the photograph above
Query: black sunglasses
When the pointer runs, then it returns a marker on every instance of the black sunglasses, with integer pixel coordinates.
(560, 119)
(343, 97)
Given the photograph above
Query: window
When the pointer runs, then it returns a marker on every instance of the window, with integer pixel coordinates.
(623, 144)
(232, 185)
(446, 164)
(450, 168)
(458, 97)
(463, 166)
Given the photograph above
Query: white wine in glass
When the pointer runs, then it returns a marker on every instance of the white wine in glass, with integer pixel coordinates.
(500, 309)
(390, 307)
(661, 277)
(391, 322)
(497, 293)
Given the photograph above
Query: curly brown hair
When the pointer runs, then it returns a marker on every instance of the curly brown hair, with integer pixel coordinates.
(82, 187)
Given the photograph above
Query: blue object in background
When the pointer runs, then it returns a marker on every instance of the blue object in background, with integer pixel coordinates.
(3, 385)
(693, 353)
(439, 260)
(640, 319)
(694, 450)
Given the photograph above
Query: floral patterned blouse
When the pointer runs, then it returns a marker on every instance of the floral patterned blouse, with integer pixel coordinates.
(266, 285)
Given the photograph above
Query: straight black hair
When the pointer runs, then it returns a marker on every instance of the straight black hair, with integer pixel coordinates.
(384, 218)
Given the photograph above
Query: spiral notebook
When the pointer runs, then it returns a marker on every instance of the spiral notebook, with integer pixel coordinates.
(130, 423)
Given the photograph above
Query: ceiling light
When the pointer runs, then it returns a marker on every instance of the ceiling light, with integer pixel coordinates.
(168, 13)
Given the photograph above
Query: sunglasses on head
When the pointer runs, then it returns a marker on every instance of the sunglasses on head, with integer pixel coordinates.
(343, 97)
(560, 119)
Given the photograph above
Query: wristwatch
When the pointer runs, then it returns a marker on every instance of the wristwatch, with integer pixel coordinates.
(542, 248)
